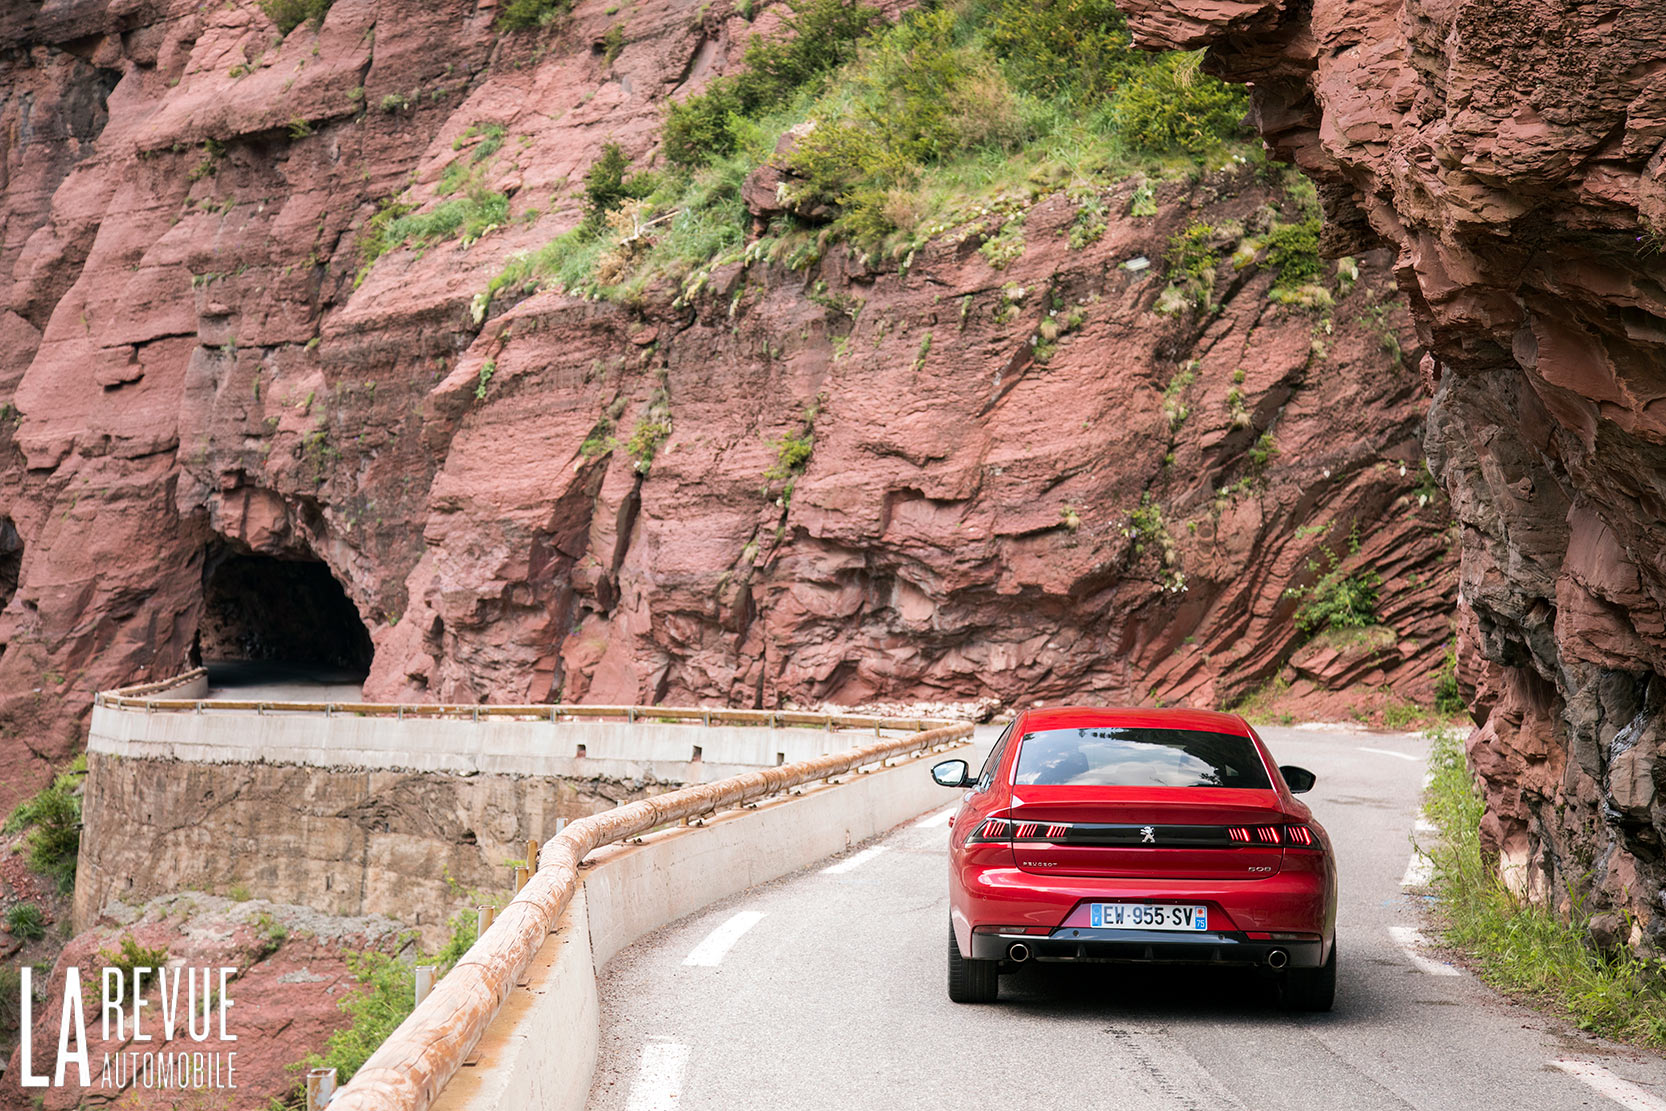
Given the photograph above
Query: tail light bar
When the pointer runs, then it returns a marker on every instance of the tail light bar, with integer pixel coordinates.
(1290, 836)
(992, 829)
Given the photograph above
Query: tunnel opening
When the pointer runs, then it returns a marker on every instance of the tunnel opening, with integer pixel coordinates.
(11, 561)
(11, 565)
(270, 617)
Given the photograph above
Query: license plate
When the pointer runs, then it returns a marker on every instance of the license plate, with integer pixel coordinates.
(1149, 916)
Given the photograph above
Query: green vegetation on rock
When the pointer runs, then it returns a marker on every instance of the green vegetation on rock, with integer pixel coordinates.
(1522, 947)
(290, 14)
(389, 995)
(1335, 600)
(53, 821)
(953, 121)
(26, 922)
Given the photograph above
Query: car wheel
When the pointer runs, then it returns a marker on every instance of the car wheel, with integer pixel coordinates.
(1311, 989)
(971, 981)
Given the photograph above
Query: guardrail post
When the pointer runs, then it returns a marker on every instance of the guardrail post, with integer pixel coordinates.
(521, 876)
(532, 854)
(424, 982)
(483, 917)
(321, 1087)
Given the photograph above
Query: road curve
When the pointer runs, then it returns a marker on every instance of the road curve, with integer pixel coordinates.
(826, 990)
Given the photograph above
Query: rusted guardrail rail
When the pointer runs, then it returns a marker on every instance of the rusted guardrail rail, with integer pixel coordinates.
(412, 1067)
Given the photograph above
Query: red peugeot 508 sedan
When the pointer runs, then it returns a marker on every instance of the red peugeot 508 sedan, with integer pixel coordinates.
(1162, 836)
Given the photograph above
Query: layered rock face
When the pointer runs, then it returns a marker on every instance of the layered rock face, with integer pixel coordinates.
(1023, 483)
(293, 968)
(1511, 155)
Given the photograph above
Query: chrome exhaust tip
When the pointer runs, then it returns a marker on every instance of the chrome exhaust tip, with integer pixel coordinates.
(1277, 958)
(1019, 953)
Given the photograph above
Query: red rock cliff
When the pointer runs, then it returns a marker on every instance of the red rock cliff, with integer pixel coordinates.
(1511, 154)
(191, 370)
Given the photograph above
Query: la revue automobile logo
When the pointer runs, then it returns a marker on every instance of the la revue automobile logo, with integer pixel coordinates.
(180, 1012)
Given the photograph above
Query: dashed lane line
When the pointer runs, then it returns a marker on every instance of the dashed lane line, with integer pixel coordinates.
(1391, 752)
(932, 820)
(716, 945)
(1622, 1092)
(856, 861)
(1420, 870)
(1411, 940)
(659, 1077)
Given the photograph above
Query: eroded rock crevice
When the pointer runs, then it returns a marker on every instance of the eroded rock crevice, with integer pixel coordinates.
(1518, 177)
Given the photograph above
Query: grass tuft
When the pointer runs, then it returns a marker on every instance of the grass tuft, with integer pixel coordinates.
(1523, 948)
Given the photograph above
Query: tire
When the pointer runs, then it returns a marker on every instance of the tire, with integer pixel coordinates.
(971, 981)
(1311, 989)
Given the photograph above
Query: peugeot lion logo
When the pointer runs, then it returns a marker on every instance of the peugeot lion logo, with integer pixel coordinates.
(1148, 835)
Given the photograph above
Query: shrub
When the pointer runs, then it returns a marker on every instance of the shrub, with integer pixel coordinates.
(1074, 49)
(290, 14)
(1191, 263)
(606, 186)
(644, 443)
(26, 921)
(821, 34)
(1190, 255)
(390, 996)
(53, 819)
(130, 955)
(923, 97)
(1293, 250)
(1168, 106)
(1335, 600)
(519, 15)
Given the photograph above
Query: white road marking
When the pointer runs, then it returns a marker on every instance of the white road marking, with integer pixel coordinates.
(1420, 870)
(940, 818)
(1424, 825)
(1428, 778)
(659, 1077)
(856, 861)
(1622, 1092)
(1410, 940)
(716, 945)
(1390, 752)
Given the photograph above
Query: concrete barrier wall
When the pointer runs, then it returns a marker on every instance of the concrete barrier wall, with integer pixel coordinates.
(669, 753)
(540, 1052)
(371, 815)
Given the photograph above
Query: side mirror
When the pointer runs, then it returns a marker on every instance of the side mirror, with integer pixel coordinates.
(951, 773)
(1297, 779)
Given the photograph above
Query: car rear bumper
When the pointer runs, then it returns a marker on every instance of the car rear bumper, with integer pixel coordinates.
(1054, 912)
(1150, 947)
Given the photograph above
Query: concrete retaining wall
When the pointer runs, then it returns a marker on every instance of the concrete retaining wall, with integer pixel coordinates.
(540, 1051)
(669, 753)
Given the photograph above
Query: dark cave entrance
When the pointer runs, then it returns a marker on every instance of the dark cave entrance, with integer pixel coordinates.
(11, 560)
(11, 565)
(289, 616)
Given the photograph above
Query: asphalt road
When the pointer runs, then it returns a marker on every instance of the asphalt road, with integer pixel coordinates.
(826, 990)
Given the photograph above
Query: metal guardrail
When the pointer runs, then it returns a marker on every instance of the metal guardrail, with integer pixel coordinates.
(419, 1058)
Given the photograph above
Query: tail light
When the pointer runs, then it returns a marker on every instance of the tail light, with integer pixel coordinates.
(1008, 829)
(991, 829)
(1300, 837)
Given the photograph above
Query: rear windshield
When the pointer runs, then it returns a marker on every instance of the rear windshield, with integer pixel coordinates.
(1115, 756)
